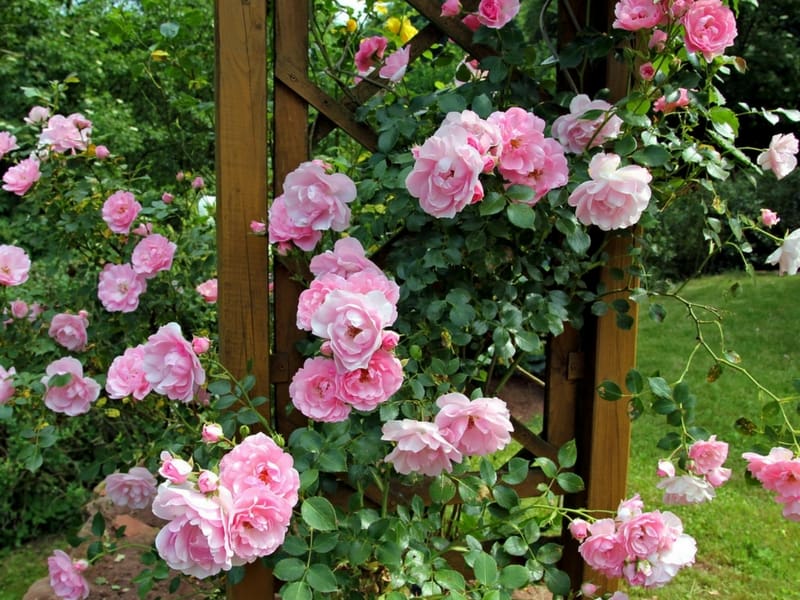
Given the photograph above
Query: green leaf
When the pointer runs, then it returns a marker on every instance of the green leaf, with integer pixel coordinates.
(664, 406)
(517, 471)
(492, 204)
(482, 105)
(488, 474)
(652, 156)
(608, 390)
(333, 460)
(514, 577)
(579, 240)
(625, 146)
(634, 382)
(442, 489)
(98, 524)
(521, 193)
(318, 513)
(660, 387)
(297, 590)
(521, 215)
(570, 482)
(485, 569)
(321, 578)
(289, 569)
(452, 580)
(568, 455)
(549, 554)
(557, 582)
(547, 466)
(387, 140)
(725, 121)
(505, 496)
(515, 546)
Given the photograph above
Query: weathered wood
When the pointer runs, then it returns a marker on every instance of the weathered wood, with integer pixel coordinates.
(241, 168)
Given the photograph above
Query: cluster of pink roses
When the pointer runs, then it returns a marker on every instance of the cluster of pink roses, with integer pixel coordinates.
(646, 548)
(779, 472)
(349, 304)
(313, 200)
(66, 576)
(370, 53)
(706, 473)
(230, 518)
(461, 427)
(493, 14)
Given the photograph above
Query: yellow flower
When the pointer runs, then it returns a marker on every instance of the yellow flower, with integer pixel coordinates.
(351, 25)
(407, 31)
(380, 8)
(393, 25)
(159, 55)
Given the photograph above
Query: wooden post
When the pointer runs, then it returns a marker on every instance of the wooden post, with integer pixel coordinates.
(241, 164)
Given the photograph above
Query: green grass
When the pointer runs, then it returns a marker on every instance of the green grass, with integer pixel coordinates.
(745, 548)
(20, 567)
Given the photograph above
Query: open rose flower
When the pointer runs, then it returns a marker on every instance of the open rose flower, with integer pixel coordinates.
(314, 393)
(66, 576)
(7, 143)
(170, 364)
(707, 458)
(394, 68)
(73, 396)
(633, 15)
(21, 177)
(119, 211)
(208, 290)
(475, 427)
(6, 384)
(780, 156)
(134, 489)
(578, 133)
(126, 376)
(787, 256)
(369, 51)
(317, 199)
(496, 14)
(63, 134)
(119, 288)
(70, 330)
(284, 232)
(366, 389)
(14, 265)
(710, 28)
(420, 448)
(152, 255)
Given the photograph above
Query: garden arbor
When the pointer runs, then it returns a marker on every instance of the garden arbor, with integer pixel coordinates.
(259, 335)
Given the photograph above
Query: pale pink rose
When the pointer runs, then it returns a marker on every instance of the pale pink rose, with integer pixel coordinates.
(19, 309)
(769, 218)
(629, 508)
(119, 211)
(7, 143)
(783, 478)
(152, 255)
(119, 288)
(314, 393)
(258, 227)
(394, 68)
(668, 106)
(167, 198)
(258, 460)
(644, 534)
(615, 197)
(212, 433)
(497, 13)
(6, 384)
(21, 177)
(667, 563)
(633, 15)
(126, 376)
(176, 470)
(171, 366)
(647, 71)
(482, 135)
(14, 265)
(318, 199)
(101, 152)
(579, 529)
(346, 258)
(665, 469)
(207, 481)
(37, 114)
(780, 156)
(787, 256)
(707, 457)
(200, 344)
(36, 311)
(143, 229)
(420, 448)
(710, 27)
(477, 427)
(370, 280)
(445, 177)
(756, 463)
(66, 133)
(209, 290)
(312, 298)
(282, 230)
(74, 397)
(70, 330)
(257, 523)
(198, 183)
(65, 575)
(618, 596)
(686, 489)
(180, 176)
(354, 325)
(658, 40)
(577, 133)
(791, 508)
(588, 590)
(369, 51)
(135, 489)
(675, 9)
(603, 550)
(451, 8)
(366, 389)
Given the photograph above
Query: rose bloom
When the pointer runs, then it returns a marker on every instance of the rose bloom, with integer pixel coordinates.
(19, 308)
(644, 534)
(70, 330)
(6, 384)
(212, 433)
(603, 549)
(21, 177)
(174, 469)
(318, 199)
(707, 457)
(207, 482)
(615, 197)
(198, 183)
(66, 579)
(577, 133)
(119, 288)
(756, 463)
(787, 257)
(346, 258)
(282, 230)
(200, 344)
(497, 13)
(74, 397)
(633, 15)
(369, 50)
(66, 133)
(258, 460)
(257, 523)
(686, 489)
(312, 297)
(366, 389)
(354, 325)
(208, 290)
(420, 448)
(658, 40)
(170, 364)
(482, 135)
(682, 99)
(101, 152)
(769, 218)
(14, 265)
(780, 156)
(258, 227)
(37, 114)
(152, 255)
(126, 376)
(665, 469)
(7, 143)
(313, 391)
(578, 529)
(119, 211)
(451, 8)
(479, 426)
(396, 64)
(710, 28)
(135, 489)
(445, 174)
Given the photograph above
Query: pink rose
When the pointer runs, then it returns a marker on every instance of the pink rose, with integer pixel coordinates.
(757, 463)
(710, 28)
(119, 288)
(603, 550)
(283, 230)
(679, 99)
(258, 460)
(370, 280)
(6, 384)
(769, 218)
(258, 227)
(665, 469)
(707, 455)
(577, 133)
(346, 258)
(142, 229)
(366, 389)
(14, 265)
(207, 482)
(643, 535)
(647, 71)
(369, 50)
(37, 114)
(312, 298)
(21, 177)
(126, 376)
(633, 15)
(658, 40)
(167, 198)
(451, 8)
(479, 427)
(482, 135)
(198, 183)
(782, 477)
(208, 290)
(394, 68)
(257, 521)
(630, 508)
(152, 255)
(135, 489)
(497, 13)
(75, 396)
(420, 448)
(615, 197)
(212, 433)
(787, 256)
(471, 22)
(101, 152)
(180, 176)
(66, 579)
(314, 393)
(119, 211)
(176, 470)
(318, 199)
(780, 156)
(579, 529)
(686, 489)
(19, 309)
(171, 366)
(66, 133)
(200, 345)
(70, 330)
(7, 143)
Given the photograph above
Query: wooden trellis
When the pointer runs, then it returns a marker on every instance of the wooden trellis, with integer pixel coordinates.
(577, 361)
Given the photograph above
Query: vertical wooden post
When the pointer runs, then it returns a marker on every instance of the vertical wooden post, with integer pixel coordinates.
(241, 136)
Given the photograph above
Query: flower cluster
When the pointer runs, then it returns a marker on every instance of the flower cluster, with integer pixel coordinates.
(778, 472)
(370, 53)
(494, 14)
(706, 473)
(135, 489)
(646, 548)
(230, 518)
